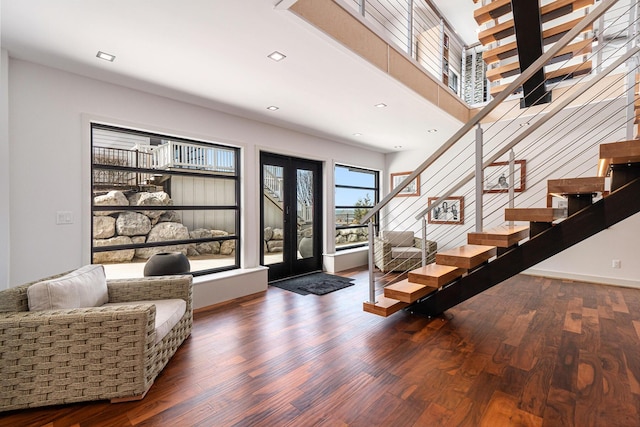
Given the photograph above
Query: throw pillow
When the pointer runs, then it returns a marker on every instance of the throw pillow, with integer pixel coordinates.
(84, 287)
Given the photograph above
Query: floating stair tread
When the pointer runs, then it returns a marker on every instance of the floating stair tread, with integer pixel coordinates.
(575, 70)
(618, 153)
(508, 50)
(583, 68)
(534, 214)
(407, 291)
(493, 10)
(503, 71)
(580, 48)
(547, 13)
(500, 52)
(497, 32)
(467, 256)
(384, 306)
(435, 275)
(551, 34)
(566, 186)
(503, 237)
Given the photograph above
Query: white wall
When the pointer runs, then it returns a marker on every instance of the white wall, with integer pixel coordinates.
(49, 153)
(4, 171)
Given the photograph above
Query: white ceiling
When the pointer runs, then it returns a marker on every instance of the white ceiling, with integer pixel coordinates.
(214, 53)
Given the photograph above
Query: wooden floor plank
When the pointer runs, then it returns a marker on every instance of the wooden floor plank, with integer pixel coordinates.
(530, 351)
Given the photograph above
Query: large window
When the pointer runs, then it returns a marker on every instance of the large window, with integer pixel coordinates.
(356, 193)
(154, 193)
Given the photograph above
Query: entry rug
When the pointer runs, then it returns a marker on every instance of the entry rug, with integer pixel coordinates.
(315, 283)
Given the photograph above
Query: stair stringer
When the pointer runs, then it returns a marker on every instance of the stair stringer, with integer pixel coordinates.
(617, 206)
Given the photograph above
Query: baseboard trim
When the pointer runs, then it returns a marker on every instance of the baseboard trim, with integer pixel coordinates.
(583, 278)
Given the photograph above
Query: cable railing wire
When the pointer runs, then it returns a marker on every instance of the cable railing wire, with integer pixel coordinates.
(426, 182)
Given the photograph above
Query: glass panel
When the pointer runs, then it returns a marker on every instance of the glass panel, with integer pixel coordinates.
(356, 192)
(355, 177)
(273, 217)
(304, 210)
(348, 217)
(159, 197)
(354, 197)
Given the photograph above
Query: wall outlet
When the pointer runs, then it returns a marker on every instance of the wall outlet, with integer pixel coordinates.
(615, 263)
(64, 217)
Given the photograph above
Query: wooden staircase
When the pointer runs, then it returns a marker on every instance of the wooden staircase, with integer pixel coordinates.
(513, 41)
(494, 255)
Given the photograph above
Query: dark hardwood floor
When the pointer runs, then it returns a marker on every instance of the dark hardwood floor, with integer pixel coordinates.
(528, 352)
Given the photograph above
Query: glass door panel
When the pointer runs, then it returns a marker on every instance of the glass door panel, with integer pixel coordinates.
(291, 204)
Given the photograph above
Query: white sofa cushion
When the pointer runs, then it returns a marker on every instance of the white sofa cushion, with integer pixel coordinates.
(406, 253)
(398, 238)
(168, 313)
(84, 287)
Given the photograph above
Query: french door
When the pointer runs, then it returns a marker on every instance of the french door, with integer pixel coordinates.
(291, 212)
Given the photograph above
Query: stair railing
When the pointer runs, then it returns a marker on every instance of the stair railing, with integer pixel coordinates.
(484, 113)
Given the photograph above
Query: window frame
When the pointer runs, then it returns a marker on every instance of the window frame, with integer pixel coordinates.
(236, 207)
(376, 198)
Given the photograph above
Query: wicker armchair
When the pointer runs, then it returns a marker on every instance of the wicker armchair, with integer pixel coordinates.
(60, 356)
(401, 251)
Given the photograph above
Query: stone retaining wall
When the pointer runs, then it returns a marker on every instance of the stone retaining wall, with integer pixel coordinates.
(146, 226)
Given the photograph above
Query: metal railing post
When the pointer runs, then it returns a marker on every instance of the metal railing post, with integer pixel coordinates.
(479, 178)
(424, 242)
(372, 289)
(631, 79)
(442, 61)
(362, 7)
(512, 161)
(410, 29)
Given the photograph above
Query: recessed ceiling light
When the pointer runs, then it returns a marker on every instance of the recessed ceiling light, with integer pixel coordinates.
(524, 124)
(106, 56)
(276, 56)
(357, 134)
(381, 105)
(273, 108)
(397, 147)
(432, 130)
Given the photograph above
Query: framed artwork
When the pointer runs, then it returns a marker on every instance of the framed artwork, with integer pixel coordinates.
(450, 211)
(496, 177)
(413, 189)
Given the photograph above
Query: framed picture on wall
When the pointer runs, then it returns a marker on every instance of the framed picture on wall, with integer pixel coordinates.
(413, 189)
(449, 211)
(496, 177)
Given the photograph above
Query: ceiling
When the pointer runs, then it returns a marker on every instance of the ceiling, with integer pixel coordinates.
(213, 53)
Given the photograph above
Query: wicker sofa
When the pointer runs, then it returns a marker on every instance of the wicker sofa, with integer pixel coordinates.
(59, 356)
(401, 251)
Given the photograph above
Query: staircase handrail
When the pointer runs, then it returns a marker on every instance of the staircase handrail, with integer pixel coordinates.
(534, 126)
(591, 17)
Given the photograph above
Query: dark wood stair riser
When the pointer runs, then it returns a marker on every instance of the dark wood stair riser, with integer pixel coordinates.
(622, 174)
(577, 202)
(536, 228)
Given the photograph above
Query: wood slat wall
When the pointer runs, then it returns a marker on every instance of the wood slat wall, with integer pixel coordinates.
(531, 351)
